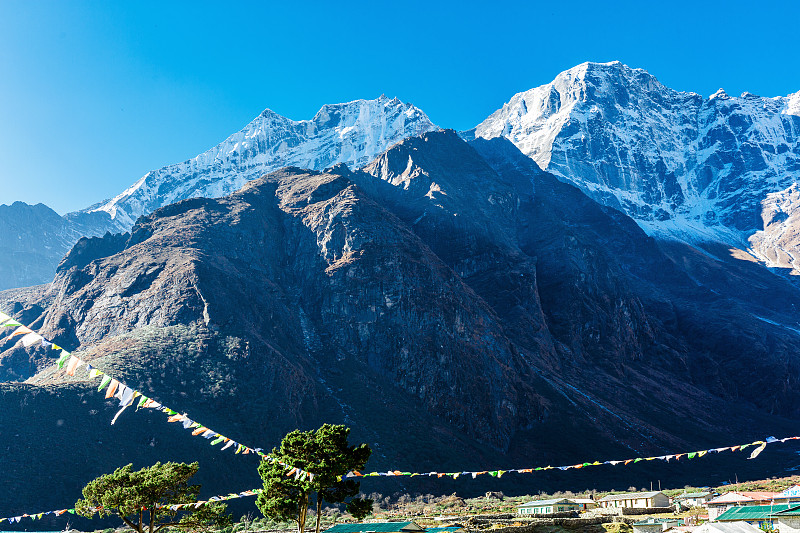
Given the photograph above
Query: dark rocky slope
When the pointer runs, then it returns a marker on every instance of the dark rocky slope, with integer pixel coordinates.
(457, 306)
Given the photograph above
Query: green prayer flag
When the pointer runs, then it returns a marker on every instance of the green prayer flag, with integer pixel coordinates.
(691, 455)
(217, 440)
(11, 323)
(63, 359)
(587, 464)
(637, 459)
(106, 380)
(493, 473)
(142, 401)
(170, 411)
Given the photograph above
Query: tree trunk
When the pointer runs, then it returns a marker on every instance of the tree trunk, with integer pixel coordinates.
(301, 518)
(319, 511)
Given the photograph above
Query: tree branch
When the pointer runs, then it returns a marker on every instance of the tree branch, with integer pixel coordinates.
(130, 524)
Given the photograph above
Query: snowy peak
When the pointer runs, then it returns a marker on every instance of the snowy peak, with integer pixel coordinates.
(532, 119)
(352, 133)
(682, 165)
(793, 104)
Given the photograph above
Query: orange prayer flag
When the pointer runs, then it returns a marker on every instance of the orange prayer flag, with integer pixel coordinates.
(112, 388)
(22, 330)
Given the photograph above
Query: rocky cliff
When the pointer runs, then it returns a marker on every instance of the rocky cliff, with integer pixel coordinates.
(682, 165)
(352, 133)
(457, 306)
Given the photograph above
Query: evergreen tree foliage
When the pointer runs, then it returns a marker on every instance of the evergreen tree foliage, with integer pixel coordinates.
(324, 452)
(137, 498)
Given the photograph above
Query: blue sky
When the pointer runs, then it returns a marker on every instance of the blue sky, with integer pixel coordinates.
(95, 94)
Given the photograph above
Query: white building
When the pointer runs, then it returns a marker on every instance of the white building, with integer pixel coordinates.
(722, 503)
(693, 499)
(635, 500)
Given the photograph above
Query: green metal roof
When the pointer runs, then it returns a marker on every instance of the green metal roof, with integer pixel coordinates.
(378, 527)
(791, 511)
(754, 512)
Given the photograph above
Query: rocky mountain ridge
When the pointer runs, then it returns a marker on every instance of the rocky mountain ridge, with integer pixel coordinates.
(450, 293)
(683, 166)
(352, 133)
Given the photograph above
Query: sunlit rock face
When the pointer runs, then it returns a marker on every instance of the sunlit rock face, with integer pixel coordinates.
(682, 165)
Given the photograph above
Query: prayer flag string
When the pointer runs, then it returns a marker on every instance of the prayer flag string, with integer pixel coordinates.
(127, 396)
(174, 507)
(760, 445)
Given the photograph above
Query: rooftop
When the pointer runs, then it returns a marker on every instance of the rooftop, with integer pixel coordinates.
(630, 496)
(753, 512)
(539, 503)
(791, 511)
(731, 497)
(651, 521)
(377, 527)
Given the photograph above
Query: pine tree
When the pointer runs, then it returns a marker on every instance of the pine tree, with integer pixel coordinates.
(324, 452)
(139, 497)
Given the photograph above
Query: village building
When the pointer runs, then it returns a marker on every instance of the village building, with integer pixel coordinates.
(760, 516)
(656, 525)
(376, 527)
(692, 499)
(722, 503)
(727, 527)
(788, 520)
(538, 507)
(636, 500)
(790, 495)
(445, 529)
(585, 503)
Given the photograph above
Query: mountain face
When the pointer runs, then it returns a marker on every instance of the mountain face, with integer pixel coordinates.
(680, 164)
(33, 240)
(457, 306)
(352, 133)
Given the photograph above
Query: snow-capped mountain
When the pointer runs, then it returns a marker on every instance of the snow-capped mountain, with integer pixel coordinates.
(681, 164)
(352, 133)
